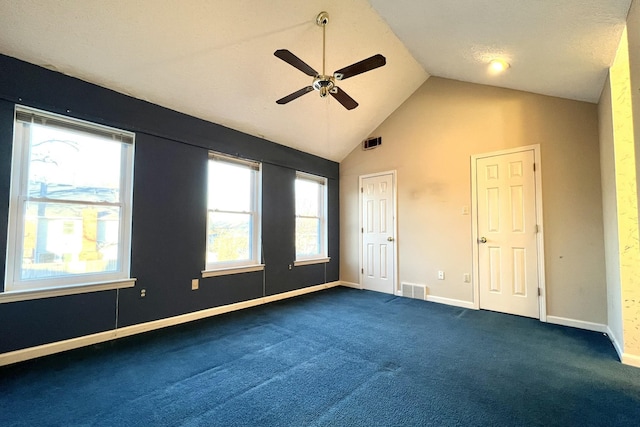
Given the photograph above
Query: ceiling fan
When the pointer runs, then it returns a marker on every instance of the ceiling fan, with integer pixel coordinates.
(323, 83)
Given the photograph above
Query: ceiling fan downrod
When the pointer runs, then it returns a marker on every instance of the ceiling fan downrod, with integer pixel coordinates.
(323, 83)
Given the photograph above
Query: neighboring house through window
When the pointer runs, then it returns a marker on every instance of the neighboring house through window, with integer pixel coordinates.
(233, 216)
(311, 219)
(70, 206)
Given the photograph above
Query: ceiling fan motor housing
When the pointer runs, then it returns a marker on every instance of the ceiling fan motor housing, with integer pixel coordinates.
(324, 85)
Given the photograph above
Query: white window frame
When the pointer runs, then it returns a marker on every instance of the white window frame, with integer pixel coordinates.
(322, 256)
(16, 289)
(213, 269)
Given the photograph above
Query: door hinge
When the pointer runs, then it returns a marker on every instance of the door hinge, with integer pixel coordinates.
(362, 189)
(539, 292)
(534, 167)
(537, 229)
(362, 271)
(362, 230)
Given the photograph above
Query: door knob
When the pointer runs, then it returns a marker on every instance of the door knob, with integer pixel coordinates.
(482, 240)
(389, 239)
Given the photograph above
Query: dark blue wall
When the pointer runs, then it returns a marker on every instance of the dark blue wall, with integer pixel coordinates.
(169, 220)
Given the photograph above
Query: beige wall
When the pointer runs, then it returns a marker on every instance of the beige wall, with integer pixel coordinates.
(429, 141)
(631, 289)
(619, 111)
(633, 42)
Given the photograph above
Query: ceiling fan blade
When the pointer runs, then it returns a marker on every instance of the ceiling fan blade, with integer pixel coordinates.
(360, 67)
(294, 95)
(293, 60)
(341, 96)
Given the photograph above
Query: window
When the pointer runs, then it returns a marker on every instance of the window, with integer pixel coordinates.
(233, 216)
(70, 205)
(311, 219)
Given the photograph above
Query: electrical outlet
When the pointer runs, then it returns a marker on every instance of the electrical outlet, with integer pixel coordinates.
(440, 275)
(466, 277)
(143, 293)
(195, 284)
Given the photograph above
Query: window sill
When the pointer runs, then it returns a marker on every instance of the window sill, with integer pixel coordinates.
(232, 270)
(30, 294)
(300, 262)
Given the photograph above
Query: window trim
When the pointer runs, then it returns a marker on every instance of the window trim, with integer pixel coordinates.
(232, 270)
(25, 295)
(322, 256)
(254, 263)
(14, 287)
(311, 261)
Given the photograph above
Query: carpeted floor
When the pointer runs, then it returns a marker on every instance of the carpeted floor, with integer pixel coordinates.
(340, 357)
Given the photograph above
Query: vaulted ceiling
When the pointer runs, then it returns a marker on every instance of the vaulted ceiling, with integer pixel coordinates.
(214, 59)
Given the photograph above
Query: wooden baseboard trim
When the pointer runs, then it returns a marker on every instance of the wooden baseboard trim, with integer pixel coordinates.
(451, 301)
(631, 359)
(351, 285)
(580, 324)
(70, 344)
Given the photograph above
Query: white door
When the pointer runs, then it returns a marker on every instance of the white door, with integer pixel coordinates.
(378, 240)
(507, 244)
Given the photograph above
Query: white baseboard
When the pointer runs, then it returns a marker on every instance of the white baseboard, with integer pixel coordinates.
(631, 359)
(451, 301)
(625, 358)
(59, 346)
(580, 324)
(351, 285)
(431, 298)
(614, 341)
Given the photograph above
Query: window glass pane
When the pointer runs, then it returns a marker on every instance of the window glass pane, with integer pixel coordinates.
(228, 237)
(307, 237)
(70, 165)
(70, 192)
(66, 239)
(229, 186)
(307, 197)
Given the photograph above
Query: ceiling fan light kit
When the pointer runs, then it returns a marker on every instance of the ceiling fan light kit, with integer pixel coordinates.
(323, 83)
(499, 65)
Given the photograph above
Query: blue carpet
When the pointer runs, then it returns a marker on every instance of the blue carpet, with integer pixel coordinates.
(340, 357)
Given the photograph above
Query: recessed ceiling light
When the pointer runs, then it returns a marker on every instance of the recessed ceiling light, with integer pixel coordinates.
(498, 65)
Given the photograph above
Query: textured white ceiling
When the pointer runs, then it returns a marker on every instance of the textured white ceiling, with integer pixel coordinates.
(214, 59)
(555, 47)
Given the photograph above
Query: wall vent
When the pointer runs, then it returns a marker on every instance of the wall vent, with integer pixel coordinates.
(411, 290)
(371, 143)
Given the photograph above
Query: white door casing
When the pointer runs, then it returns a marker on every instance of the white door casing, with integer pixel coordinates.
(507, 216)
(377, 222)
